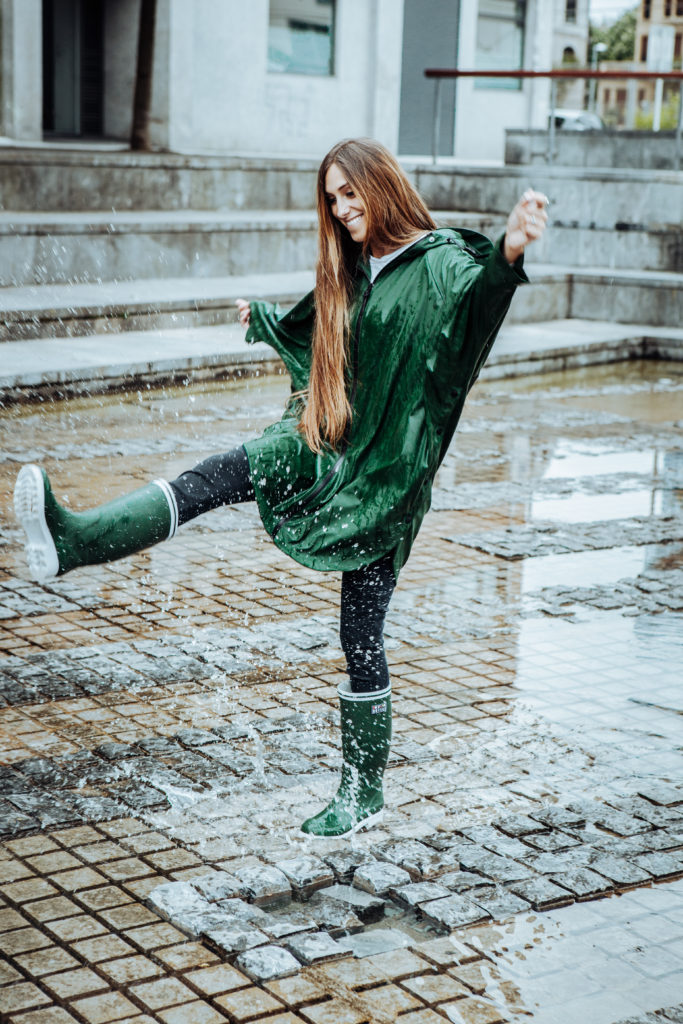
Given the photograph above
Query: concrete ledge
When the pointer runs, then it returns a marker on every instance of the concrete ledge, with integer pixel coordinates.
(35, 371)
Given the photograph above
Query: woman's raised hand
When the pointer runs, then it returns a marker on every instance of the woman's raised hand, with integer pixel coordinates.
(243, 311)
(525, 224)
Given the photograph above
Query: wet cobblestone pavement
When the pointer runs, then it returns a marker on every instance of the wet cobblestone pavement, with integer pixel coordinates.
(167, 721)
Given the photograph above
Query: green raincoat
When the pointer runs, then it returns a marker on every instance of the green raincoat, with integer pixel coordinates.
(419, 337)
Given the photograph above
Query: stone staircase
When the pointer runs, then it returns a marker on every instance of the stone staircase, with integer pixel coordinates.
(95, 243)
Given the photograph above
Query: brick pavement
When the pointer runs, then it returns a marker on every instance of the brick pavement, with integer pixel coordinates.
(173, 716)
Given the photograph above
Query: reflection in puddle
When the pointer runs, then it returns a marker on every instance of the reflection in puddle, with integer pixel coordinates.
(590, 508)
(583, 569)
(571, 460)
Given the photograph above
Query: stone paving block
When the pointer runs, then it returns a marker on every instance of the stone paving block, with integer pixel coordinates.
(78, 982)
(216, 885)
(435, 988)
(334, 1011)
(81, 926)
(172, 899)
(500, 869)
(105, 947)
(10, 974)
(185, 955)
(541, 893)
(296, 990)
(111, 1006)
(247, 1003)
(48, 1015)
(314, 947)
(331, 915)
(198, 1013)
(418, 892)
(453, 912)
(445, 951)
(48, 960)
(387, 1002)
(345, 862)
(265, 885)
(22, 940)
(582, 883)
(379, 877)
(398, 964)
(414, 857)
(267, 963)
(519, 825)
(498, 902)
(22, 996)
(555, 816)
(367, 907)
(306, 874)
(129, 969)
(462, 881)
(422, 1017)
(213, 980)
(374, 941)
(156, 995)
(660, 865)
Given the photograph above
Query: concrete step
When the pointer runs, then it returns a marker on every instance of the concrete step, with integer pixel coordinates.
(62, 248)
(66, 367)
(74, 310)
(105, 179)
(599, 293)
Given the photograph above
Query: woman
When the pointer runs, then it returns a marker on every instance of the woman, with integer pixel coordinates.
(381, 356)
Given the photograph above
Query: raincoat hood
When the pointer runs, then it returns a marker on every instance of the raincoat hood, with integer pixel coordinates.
(419, 335)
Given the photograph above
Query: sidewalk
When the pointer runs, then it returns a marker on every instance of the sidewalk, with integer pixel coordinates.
(168, 720)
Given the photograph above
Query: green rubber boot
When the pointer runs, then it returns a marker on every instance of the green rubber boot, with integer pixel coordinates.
(366, 738)
(58, 540)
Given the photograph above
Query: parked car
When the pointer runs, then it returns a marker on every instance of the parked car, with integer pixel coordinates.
(578, 120)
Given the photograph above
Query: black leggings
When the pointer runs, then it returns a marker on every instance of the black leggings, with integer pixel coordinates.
(365, 592)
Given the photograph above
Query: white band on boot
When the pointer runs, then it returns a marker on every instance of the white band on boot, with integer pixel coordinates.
(346, 693)
(164, 486)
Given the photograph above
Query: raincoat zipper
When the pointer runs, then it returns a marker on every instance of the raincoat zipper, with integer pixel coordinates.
(345, 441)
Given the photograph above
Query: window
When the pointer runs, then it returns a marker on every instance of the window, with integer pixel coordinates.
(667, 8)
(678, 40)
(500, 41)
(643, 49)
(570, 11)
(679, 8)
(646, 8)
(301, 36)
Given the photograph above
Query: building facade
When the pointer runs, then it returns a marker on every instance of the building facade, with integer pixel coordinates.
(285, 77)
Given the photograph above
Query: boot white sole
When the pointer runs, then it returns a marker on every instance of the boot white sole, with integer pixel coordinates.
(29, 508)
(372, 819)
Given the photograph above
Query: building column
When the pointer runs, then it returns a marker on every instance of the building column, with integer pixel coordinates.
(21, 69)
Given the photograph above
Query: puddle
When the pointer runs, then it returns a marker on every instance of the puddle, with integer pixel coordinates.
(583, 569)
(591, 508)
(577, 460)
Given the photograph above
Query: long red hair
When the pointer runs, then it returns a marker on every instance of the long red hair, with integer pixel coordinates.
(394, 212)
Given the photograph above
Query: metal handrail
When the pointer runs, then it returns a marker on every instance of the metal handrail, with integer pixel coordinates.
(441, 74)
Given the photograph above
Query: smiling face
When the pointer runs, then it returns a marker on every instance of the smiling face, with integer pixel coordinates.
(344, 204)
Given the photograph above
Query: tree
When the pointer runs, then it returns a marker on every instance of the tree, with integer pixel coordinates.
(143, 76)
(619, 38)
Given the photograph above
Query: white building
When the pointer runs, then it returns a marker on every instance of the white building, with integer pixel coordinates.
(281, 76)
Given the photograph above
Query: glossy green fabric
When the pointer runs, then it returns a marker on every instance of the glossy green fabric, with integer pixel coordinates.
(424, 330)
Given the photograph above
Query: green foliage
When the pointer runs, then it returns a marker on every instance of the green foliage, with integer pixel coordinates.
(619, 38)
(669, 119)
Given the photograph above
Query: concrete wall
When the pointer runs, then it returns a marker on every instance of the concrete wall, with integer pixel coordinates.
(482, 114)
(21, 82)
(655, 150)
(213, 93)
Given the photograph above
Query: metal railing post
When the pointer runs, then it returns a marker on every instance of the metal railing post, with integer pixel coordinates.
(679, 129)
(436, 119)
(550, 152)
